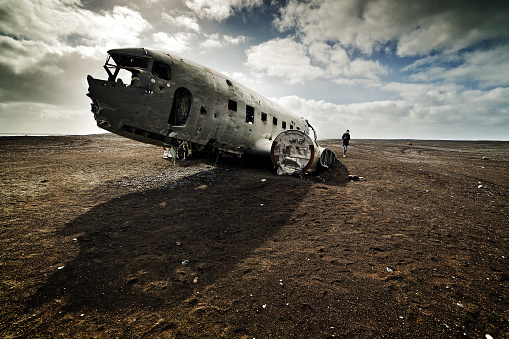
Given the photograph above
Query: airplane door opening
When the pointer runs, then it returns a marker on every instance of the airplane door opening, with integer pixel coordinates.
(182, 101)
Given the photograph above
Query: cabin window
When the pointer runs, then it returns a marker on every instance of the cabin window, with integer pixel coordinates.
(264, 117)
(232, 105)
(291, 126)
(274, 121)
(203, 111)
(283, 124)
(161, 70)
(249, 114)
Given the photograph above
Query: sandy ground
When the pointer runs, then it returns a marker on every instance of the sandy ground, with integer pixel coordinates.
(102, 238)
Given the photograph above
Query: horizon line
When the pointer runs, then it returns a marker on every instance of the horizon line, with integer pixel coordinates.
(326, 139)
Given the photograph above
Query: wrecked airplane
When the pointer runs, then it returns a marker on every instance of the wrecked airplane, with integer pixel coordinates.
(162, 99)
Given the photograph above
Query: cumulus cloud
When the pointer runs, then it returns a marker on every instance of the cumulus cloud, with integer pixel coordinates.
(182, 22)
(35, 31)
(298, 63)
(326, 54)
(326, 117)
(60, 23)
(177, 43)
(47, 47)
(234, 40)
(218, 41)
(220, 9)
(417, 27)
(283, 58)
(420, 107)
(487, 68)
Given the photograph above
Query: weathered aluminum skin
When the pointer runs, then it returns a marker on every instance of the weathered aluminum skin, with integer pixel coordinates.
(172, 102)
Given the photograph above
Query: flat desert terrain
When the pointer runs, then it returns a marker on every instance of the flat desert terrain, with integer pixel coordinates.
(102, 238)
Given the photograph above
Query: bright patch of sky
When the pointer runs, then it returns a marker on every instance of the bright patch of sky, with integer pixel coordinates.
(381, 68)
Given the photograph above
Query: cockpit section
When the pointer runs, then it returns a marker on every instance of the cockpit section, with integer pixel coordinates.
(143, 72)
(140, 98)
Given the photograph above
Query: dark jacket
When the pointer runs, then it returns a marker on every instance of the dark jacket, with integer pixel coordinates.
(346, 138)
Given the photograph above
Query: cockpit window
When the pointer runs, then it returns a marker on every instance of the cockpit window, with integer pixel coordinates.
(124, 62)
(130, 62)
(135, 71)
(161, 70)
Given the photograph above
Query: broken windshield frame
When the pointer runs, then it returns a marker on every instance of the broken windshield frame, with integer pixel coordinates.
(124, 62)
(136, 65)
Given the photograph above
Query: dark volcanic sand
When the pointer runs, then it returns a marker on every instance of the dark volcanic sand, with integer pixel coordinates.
(94, 230)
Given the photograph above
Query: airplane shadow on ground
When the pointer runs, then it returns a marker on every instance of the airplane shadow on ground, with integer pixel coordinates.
(132, 248)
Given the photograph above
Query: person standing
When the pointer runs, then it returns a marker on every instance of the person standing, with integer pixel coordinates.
(346, 141)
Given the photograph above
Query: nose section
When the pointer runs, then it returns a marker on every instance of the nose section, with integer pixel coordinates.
(129, 110)
(92, 94)
(102, 102)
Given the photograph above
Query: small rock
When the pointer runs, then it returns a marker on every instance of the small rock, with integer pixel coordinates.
(195, 281)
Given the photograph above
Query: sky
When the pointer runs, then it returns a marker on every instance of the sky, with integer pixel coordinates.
(384, 69)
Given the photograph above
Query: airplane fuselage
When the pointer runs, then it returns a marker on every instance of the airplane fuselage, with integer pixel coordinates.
(169, 101)
(187, 102)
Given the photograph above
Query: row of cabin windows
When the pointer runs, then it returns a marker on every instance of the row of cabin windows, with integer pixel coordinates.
(232, 105)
